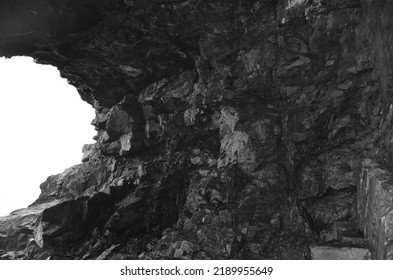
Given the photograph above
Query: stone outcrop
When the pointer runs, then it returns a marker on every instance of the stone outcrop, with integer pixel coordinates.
(225, 129)
(375, 198)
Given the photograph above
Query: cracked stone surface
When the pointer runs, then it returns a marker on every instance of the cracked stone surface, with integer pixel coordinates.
(225, 129)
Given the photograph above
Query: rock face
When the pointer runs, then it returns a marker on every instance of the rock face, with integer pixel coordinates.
(375, 208)
(225, 129)
(338, 252)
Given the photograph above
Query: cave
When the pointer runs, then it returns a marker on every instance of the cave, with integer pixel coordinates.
(226, 129)
(38, 128)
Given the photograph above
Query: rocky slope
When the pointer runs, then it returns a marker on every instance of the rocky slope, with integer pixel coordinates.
(226, 129)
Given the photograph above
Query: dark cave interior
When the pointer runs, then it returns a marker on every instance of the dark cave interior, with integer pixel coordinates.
(226, 129)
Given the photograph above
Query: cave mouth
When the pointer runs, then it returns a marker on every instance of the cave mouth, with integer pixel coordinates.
(44, 126)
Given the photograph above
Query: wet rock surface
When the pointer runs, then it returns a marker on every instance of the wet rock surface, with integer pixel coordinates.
(225, 129)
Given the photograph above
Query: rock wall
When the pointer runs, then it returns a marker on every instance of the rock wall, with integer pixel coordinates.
(225, 129)
(375, 202)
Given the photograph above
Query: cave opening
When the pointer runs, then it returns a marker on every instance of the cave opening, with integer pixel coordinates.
(44, 127)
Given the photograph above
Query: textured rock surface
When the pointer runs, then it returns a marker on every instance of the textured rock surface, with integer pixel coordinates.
(225, 129)
(339, 252)
(375, 198)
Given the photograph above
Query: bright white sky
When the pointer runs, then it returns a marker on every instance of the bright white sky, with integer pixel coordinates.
(44, 124)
